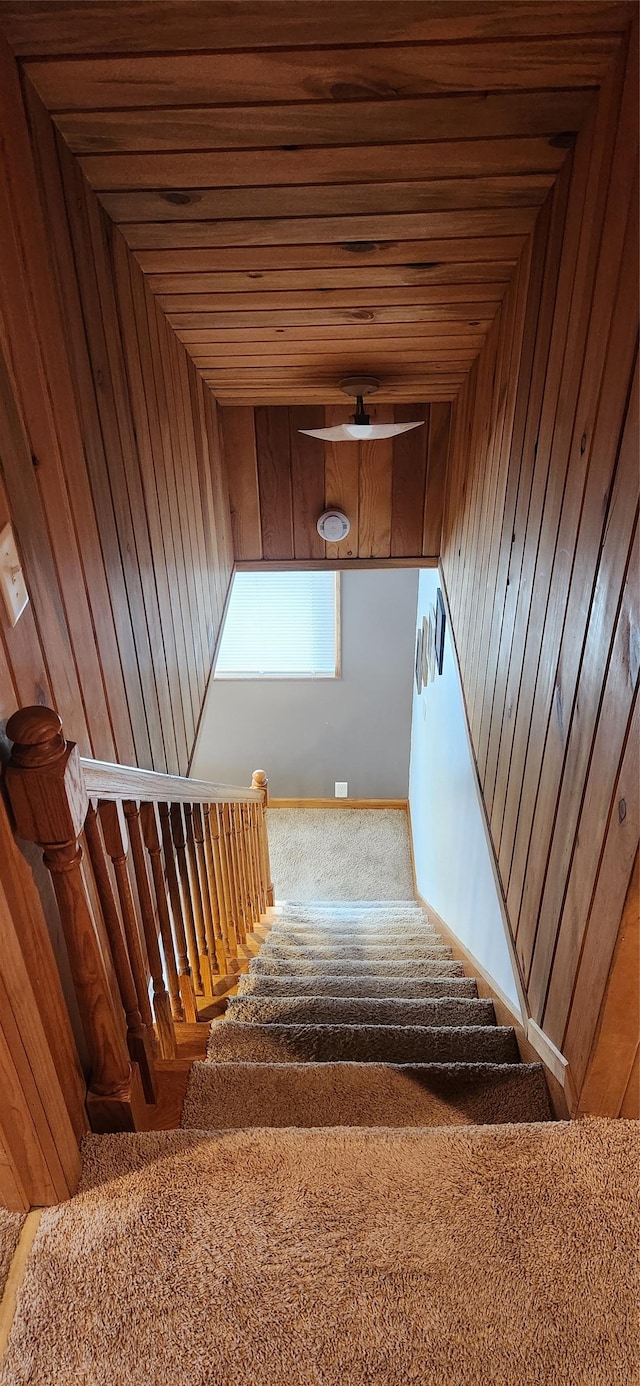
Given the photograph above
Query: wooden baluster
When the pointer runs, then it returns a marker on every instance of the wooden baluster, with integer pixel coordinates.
(246, 857)
(140, 1041)
(185, 979)
(234, 873)
(50, 804)
(227, 917)
(255, 860)
(256, 814)
(115, 840)
(216, 961)
(180, 843)
(241, 865)
(259, 781)
(245, 810)
(215, 897)
(151, 835)
(161, 1002)
(197, 902)
(225, 845)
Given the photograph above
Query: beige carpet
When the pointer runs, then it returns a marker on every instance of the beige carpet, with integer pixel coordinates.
(360, 952)
(359, 1005)
(391, 1044)
(466, 1256)
(304, 934)
(365, 986)
(343, 1010)
(401, 967)
(10, 1229)
(349, 1094)
(340, 854)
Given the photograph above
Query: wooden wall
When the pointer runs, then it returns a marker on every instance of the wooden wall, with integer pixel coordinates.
(111, 469)
(541, 567)
(280, 481)
(42, 1116)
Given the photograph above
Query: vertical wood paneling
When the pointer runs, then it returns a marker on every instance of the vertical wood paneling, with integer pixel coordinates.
(341, 483)
(611, 1086)
(541, 564)
(376, 488)
(239, 432)
(437, 456)
(307, 480)
(273, 446)
(409, 482)
(123, 522)
(393, 490)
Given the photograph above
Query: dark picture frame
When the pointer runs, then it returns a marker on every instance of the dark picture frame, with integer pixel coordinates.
(440, 628)
(418, 660)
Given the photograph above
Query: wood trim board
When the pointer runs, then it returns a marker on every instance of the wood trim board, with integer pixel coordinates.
(338, 804)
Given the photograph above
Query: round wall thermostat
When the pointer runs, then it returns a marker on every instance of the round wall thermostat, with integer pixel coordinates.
(333, 526)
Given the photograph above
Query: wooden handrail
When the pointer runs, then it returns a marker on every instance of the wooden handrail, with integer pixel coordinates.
(159, 879)
(105, 781)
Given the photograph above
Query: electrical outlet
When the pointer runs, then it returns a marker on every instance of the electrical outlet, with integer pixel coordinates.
(12, 582)
(341, 789)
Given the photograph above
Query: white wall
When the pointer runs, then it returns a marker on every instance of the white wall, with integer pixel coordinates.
(454, 869)
(308, 733)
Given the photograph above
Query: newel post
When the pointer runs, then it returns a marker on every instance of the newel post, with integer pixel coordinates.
(259, 781)
(49, 801)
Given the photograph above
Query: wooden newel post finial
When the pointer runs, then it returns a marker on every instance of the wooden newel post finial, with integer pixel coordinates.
(49, 801)
(259, 781)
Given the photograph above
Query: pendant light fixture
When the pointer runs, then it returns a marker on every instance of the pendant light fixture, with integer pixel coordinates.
(361, 429)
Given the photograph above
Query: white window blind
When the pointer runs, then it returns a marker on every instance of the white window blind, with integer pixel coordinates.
(280, 625)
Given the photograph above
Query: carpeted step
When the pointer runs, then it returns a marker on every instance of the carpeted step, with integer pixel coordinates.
(404, 902)
(403, 987)
(291, 934)
(357, 922)
(456, 1256)
(331, 1010)
(395, 1044)
(376, 919)
(355, 967)
(348, 1094)
(390, 949)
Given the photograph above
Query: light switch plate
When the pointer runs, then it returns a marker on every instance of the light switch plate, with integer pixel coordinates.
(12, 583)
(341, 789)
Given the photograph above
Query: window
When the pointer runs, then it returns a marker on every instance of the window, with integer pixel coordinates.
(281, 625)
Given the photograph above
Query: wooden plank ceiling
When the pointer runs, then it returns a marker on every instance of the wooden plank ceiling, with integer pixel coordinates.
(317, 189)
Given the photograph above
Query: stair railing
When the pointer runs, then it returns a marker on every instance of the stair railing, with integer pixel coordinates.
(158, 881)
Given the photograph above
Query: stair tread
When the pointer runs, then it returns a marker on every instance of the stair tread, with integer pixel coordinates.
(231, 1040)
(364, 1094)
(354, 987)
(402, 967)
(342, 1010)
(348, 932)
(493, 1253)
(388, 949)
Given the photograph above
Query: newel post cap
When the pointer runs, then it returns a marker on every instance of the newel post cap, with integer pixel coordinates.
(260, 781)
(37, 737)
(44, 778)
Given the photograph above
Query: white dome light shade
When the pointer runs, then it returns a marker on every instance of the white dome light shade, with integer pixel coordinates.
(352, 432)
(360, 428)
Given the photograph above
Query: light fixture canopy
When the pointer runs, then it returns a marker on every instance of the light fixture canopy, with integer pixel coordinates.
(361, 429)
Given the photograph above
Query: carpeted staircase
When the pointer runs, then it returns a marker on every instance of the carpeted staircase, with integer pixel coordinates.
(355, 1014)
(302, 1234)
